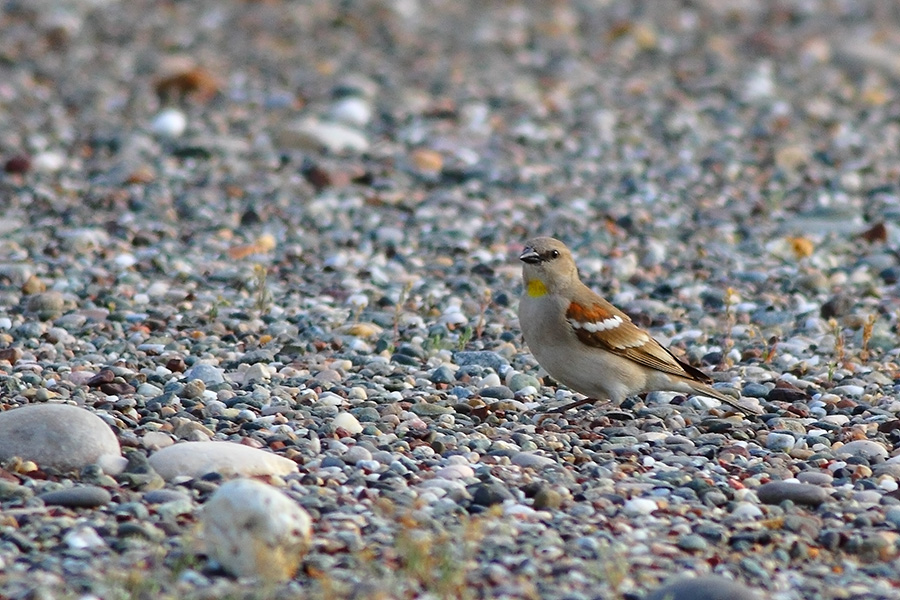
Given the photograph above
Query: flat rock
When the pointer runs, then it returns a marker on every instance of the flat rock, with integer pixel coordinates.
(195, 459)
(711, 587)
(83, 496)
(59, 436)
(254, 530)
(776, 492)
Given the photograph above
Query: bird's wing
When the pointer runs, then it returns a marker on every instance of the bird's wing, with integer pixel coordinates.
(601, 325)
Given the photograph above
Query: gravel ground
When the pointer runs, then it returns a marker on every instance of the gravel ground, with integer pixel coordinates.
(293, 225)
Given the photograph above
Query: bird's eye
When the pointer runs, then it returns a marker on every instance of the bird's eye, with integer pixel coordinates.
(554, 254)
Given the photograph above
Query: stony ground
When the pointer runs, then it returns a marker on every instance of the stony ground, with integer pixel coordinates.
(324, 201)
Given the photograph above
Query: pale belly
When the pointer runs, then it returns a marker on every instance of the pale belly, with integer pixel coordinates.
(597, 374)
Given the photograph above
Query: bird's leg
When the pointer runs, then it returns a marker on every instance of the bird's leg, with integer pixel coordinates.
(571, 405)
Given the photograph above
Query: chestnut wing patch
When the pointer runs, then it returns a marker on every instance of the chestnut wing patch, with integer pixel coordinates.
(613, 330)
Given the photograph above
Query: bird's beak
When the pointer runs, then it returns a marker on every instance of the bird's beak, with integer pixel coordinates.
(530, 256)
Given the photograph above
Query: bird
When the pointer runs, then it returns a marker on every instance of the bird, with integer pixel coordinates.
(589, 345)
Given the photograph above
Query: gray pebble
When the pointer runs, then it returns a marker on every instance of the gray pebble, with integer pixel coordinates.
(710, 587)
(162, 496)
(47, 304)
(520, 381)
(692, 542)
(208, 374)
(488, 494)
(427, 409)
(482, 358)
(59, 436)
(442, 374)
(500, 392)
(356, 454)
(815, 478)
(776, 492)
(865, 448)
(529, 459)
(84, 496)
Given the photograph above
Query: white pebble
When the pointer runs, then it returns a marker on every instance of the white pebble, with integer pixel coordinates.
(747, 510)
(48, 162)
(254, 530)
(352, 111)
(125, 260)
(455, 472)
(780, 442)
(83, 537)
(347, 422)
(639, 506)
(169, 123)
(888, 484)
(358, 300)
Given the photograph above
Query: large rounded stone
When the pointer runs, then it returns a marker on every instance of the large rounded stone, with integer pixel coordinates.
(59, 436)
(254, 530)
(195, 459)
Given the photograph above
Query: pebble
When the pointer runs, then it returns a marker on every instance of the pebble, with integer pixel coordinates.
(85, 496)
(815, 478)
(781, 442)
(489, 494)
(164, 495)
(777, 492)
(636, 507)
(868, 449)
(746, 511)
(154, 440)
(47, 304)
(347, 422)
(314, 134)
(169, 123)
(208, 374)
(547, 498)
(356, 454)
(351, 110)
(83, 538)
(481, 358)
(531, 460)
(254, 530)
(455, 472)
(498, 392)
(709, 587)
(692, 542)
(59, 436)
(192, 460)
(426, 409)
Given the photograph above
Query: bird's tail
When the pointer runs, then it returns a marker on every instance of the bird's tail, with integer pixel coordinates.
(706, 390)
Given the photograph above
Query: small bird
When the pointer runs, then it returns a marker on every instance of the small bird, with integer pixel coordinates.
(589, 345)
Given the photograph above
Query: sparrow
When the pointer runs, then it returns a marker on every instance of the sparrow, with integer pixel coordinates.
(589, 345)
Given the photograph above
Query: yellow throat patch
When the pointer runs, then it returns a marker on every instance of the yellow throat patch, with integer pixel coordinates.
(536, 288)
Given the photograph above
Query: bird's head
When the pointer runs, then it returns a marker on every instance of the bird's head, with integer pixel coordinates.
(548, 267)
